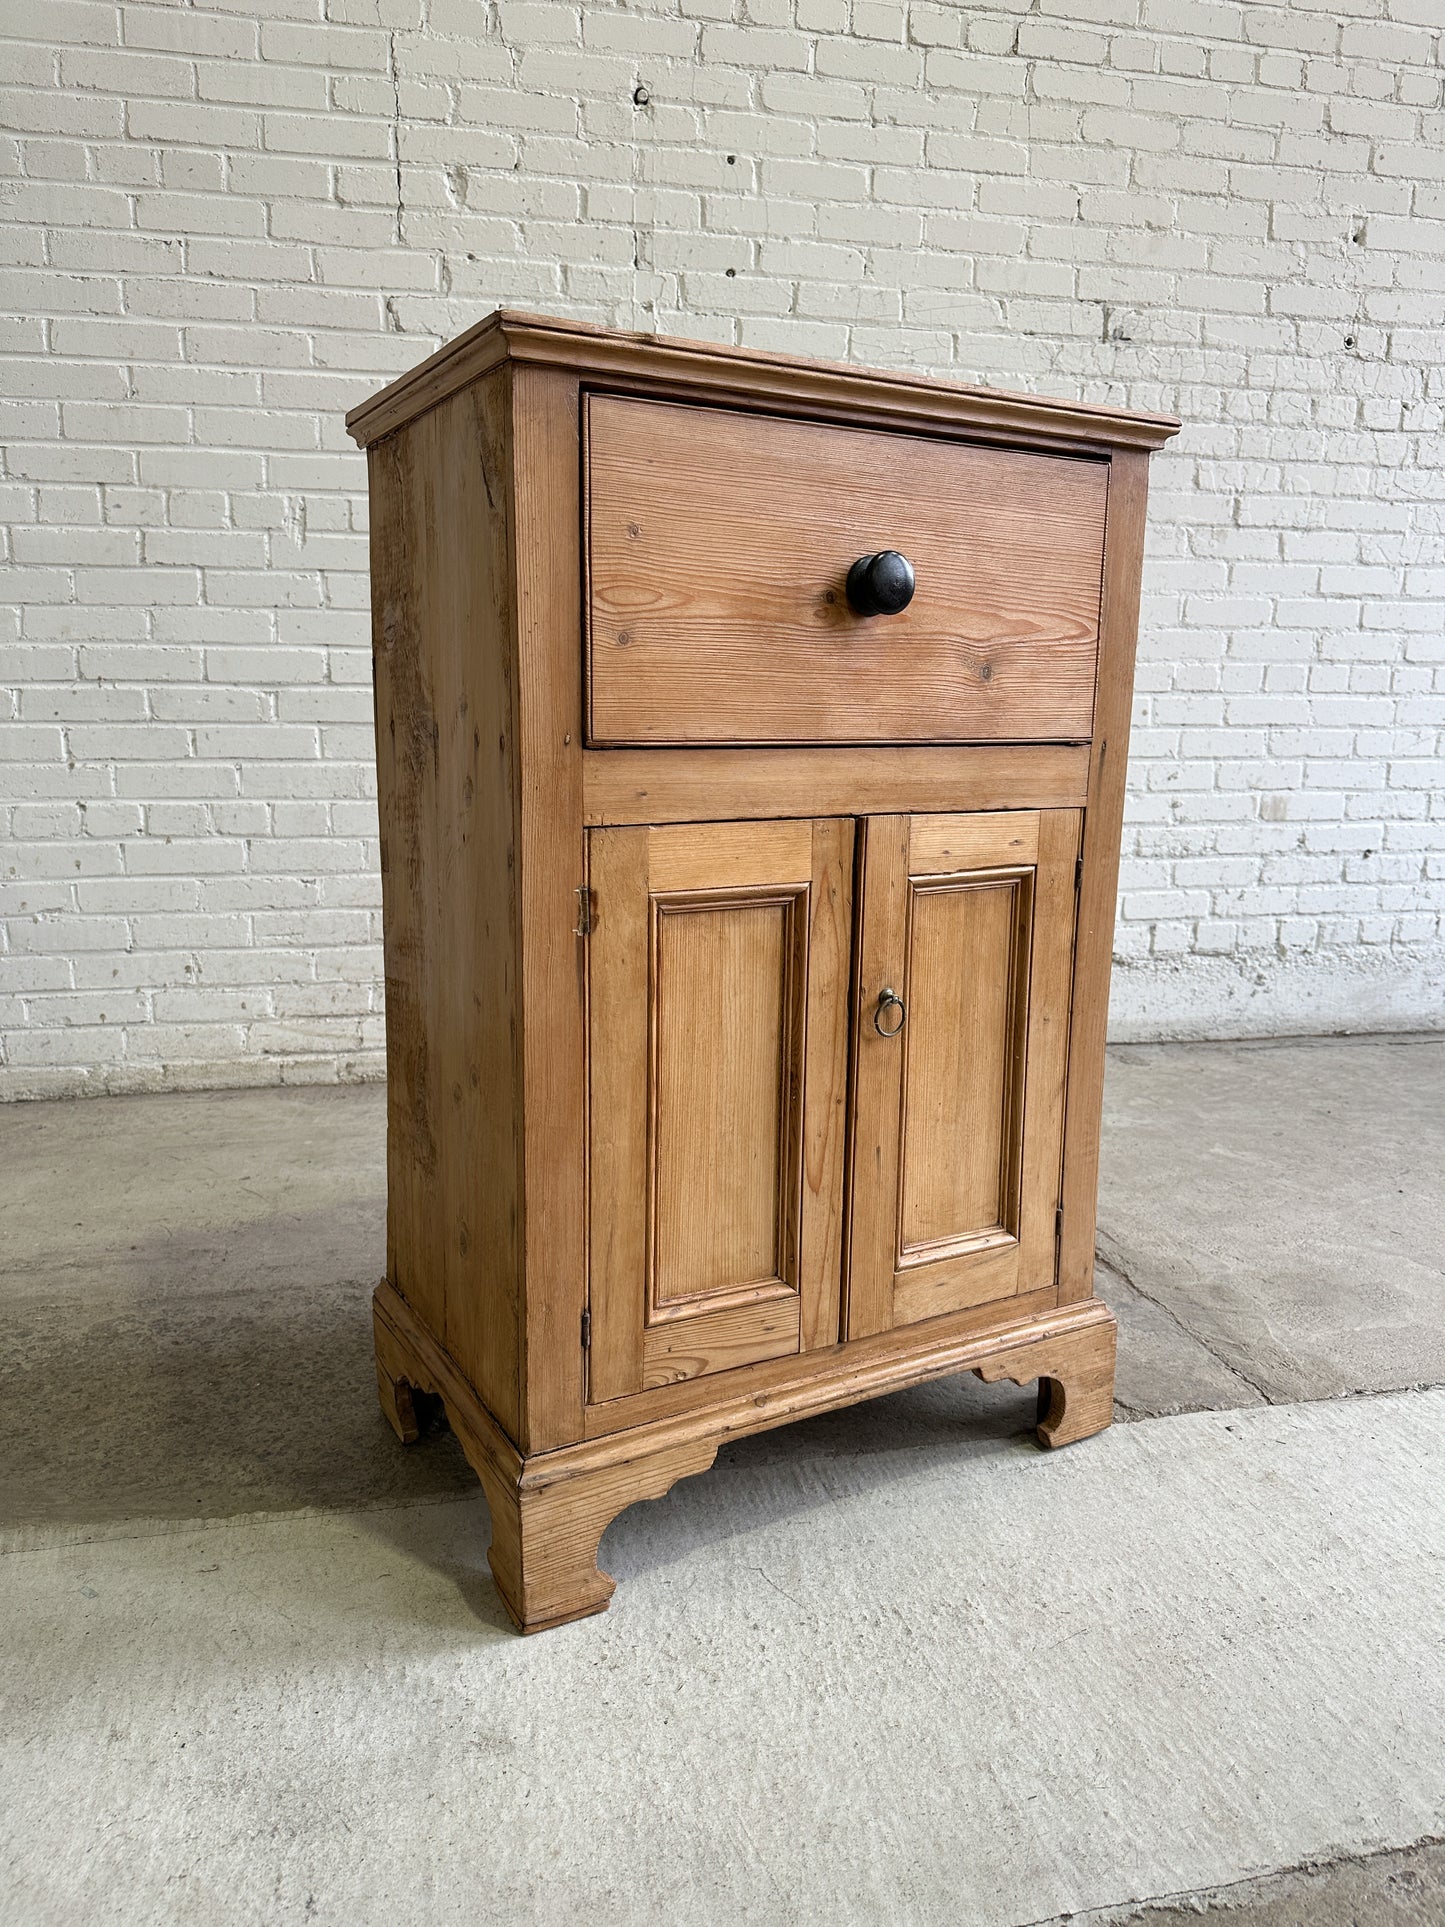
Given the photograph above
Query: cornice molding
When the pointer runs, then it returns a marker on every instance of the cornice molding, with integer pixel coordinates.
(707, 371)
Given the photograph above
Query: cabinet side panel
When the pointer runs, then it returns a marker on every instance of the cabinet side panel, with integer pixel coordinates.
(1098, 891)
(446, 747)
(406, 779)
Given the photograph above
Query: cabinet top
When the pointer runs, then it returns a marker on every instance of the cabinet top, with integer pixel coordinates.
(670, 366)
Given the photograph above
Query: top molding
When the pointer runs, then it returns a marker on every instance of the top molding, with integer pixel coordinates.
(705, 370)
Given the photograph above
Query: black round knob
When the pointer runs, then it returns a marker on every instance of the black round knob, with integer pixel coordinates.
(881, 584)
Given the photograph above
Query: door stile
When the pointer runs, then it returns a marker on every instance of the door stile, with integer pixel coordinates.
(824, 1109)
(617, 1152)
(1045, 1075)
(877, 1076)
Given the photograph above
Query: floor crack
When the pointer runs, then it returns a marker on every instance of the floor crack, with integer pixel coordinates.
(1106, 1256)
(1115, 1910)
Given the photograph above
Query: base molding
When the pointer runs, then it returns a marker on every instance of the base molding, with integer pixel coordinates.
(549, 1510)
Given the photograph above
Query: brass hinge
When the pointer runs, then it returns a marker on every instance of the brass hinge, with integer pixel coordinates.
(586, 1331)
(584, 911)
(1078, 873)
(1058, 1224)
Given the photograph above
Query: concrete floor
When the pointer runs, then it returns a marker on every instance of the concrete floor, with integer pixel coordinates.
(889, 1665)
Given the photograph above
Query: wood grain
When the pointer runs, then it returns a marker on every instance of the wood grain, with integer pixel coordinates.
(552, 865)
(877, 1063)
(718, 544)
(1051, 995)
(825, 1082)
(402, 674)
(671, 364)
(727, 1051)
(958, 1119)
(704, 785)
(719, 1341)
(549, 1510)
(962, 1057)
(944, 845)
(724, 856)
(617, 964)
(447, 778)
(1098, 894)
(632, 1068)
(1078, 1385)
(718, 1014)
(989, 1273)
(1040, 1344)
(760, 1383)
(546, 1525)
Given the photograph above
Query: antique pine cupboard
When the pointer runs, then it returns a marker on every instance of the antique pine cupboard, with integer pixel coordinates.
(751, 739)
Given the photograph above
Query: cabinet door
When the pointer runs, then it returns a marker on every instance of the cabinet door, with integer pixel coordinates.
(962, 1032)
(718, 1012)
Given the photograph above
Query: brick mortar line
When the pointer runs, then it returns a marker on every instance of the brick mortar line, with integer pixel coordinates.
(1147, 208)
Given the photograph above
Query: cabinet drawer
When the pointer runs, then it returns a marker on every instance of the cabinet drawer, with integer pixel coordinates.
(719, 545)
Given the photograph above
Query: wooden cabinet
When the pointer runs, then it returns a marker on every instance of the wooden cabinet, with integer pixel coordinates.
(747, 917)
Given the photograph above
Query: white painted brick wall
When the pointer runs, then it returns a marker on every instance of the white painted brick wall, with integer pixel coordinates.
(226, 223)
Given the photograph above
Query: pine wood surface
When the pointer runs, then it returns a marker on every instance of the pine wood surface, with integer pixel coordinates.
(1099, 886)
(551, 861)
(654, 1178)
(719, 543)
(677, 366)
(730, 987)
(825, 1081)
(964, 1035)
(958, 1119)
(718, 1001)
(706, 784)
(448, 786)
(761, 1380)
(549, 1511)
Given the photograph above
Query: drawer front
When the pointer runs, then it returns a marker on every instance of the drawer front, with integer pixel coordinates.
(719, 546)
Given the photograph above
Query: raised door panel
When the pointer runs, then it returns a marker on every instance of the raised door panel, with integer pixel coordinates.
(718, 1010)
(725, 1061)
(962, 1031)
(961, 1050)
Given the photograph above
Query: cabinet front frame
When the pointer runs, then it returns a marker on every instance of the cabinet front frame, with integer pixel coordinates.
(564, 787)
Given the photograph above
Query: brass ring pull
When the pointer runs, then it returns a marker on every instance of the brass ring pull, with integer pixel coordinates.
(889, 999)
